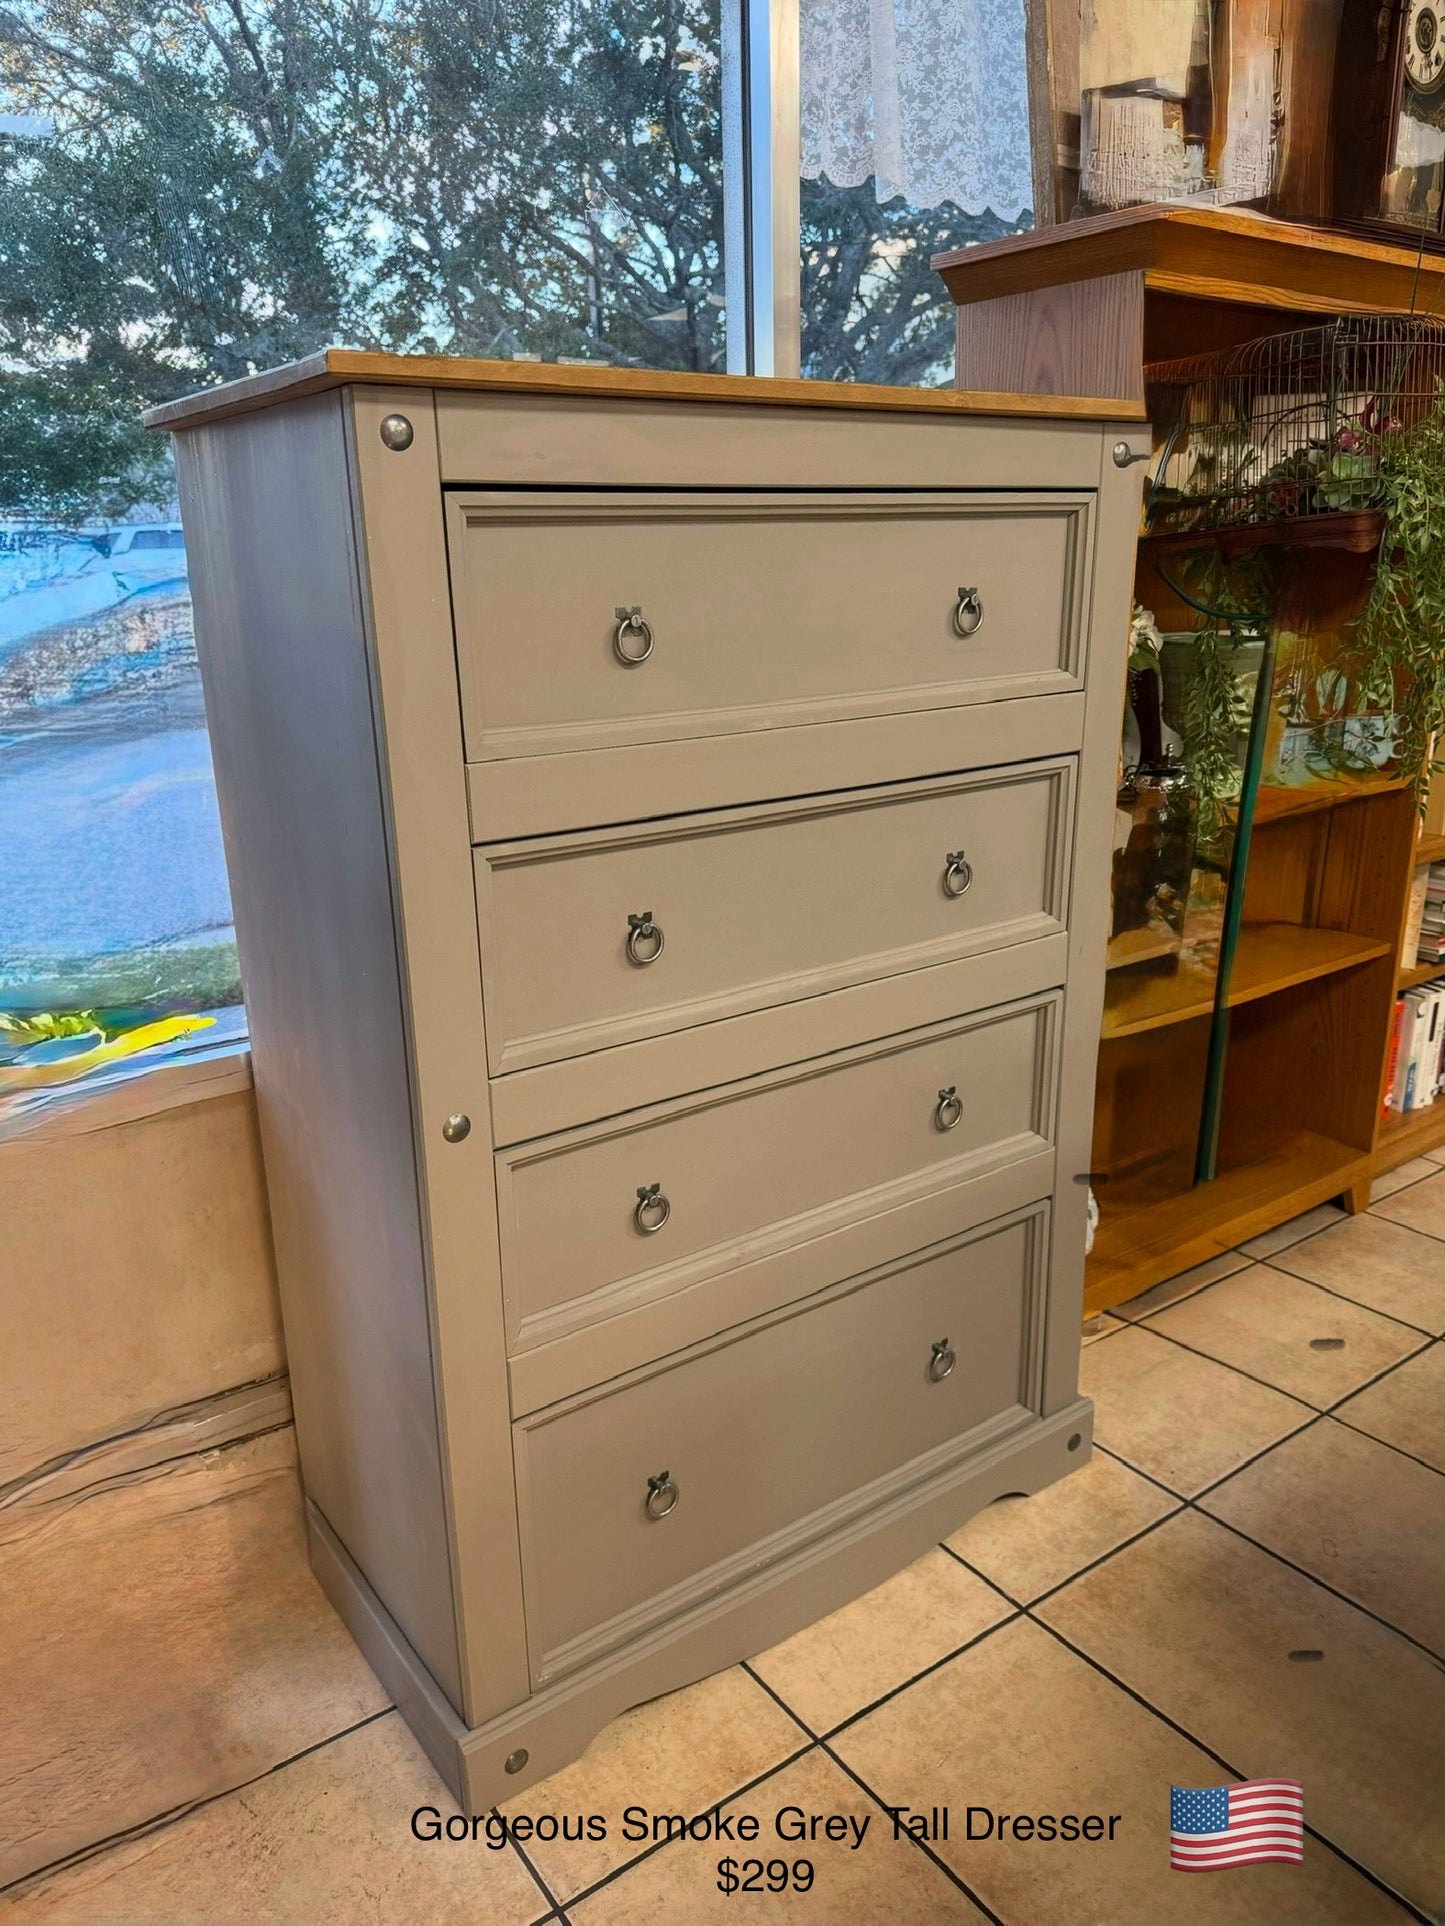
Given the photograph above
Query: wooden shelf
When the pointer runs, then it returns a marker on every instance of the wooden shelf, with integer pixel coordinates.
(1412, 974)
(1402, 1137)
(1276, 803)
(1429, 849)
(1139, 946)
(1144, 1237)
(1271, 957)
(1357, 531)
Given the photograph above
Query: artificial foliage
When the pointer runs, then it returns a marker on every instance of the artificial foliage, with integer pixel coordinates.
(1401, 637)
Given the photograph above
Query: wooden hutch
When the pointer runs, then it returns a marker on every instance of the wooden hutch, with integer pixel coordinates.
(1085, 308)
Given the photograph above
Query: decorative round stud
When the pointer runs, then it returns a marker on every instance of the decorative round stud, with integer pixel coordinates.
(1076, 1438)
(456, 1127)
(514, 1761)
(397, 432)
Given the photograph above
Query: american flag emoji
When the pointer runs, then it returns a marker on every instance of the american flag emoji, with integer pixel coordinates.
(1235, 1825)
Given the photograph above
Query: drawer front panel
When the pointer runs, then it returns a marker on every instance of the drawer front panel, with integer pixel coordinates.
(743, 1172)
(769, 1438)
(760, 907)
(759, 610)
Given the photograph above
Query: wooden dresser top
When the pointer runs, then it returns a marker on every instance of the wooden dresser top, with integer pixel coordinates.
(341, 367)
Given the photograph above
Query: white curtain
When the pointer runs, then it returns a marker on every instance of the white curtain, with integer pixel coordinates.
(928, 96)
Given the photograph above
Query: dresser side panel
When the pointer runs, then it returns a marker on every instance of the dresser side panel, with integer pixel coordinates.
(1107, 619)
(284, 657)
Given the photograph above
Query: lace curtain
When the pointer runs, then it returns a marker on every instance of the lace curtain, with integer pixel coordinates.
(928, 96)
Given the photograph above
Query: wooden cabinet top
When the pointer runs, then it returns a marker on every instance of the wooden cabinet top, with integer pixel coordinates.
(1222, 254)
(342, 367)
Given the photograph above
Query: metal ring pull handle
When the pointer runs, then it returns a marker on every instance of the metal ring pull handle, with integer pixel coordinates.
(948, 1109)
(662, 1495)
(652, 1210)
(958, 874)
(941, 1360)
(642, 930)
(968, 613)
(630, 622)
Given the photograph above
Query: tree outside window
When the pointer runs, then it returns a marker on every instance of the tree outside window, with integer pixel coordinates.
(192, 192)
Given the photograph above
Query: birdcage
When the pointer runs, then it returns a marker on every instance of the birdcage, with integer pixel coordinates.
(1292, 428)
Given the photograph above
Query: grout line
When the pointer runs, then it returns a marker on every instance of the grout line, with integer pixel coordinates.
(937, 1665)
(1187, 1498)
(746, 1665)
(1382, 1218)
(1320, 1410)
(661, 1845)
(922, 1844)
(143, 1828)
(1360, 1432)
(1438, 1658)
(1219, 1759)
(1092, 1565)
(554, 1904)
(1142, 1317)
(1145, 1324)
(1345, 1298)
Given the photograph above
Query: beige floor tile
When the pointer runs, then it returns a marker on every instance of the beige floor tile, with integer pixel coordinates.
(1386, 1266)
(1184, 1285)
(880, 1883)
(326, 1839)
(1182, 1419)
(1422, 1207)
(1283, 1235)
(1020, 1725)
(680, 1753)
(1029, 1545)
(1356, 1514)
(1389, 1181)
(1435, 1156)
(160, 1643)
(1202, 1625)
(1406, 1408)
(1267, 1322)
(830, 1671)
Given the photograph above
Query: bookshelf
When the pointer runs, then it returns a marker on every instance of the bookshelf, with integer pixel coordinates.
(1084, 308)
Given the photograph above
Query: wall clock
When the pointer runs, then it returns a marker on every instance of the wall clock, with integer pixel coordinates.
(1388, 117)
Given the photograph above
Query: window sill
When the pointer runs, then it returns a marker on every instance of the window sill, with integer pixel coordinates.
(79, 1109)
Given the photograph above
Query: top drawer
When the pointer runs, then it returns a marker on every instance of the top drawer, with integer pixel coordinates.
(753, 611)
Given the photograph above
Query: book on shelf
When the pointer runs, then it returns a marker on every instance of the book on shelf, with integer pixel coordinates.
(1414, 915)
(1429, 946)
(1392, 1062)
(1417, 1067)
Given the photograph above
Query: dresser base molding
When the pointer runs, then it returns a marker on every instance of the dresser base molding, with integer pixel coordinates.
(557, 1723)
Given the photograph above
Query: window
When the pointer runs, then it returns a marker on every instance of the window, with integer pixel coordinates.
(189, 192)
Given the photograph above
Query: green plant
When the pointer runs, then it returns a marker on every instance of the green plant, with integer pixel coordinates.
(1402, 631)
(1234, 603)
(1216, 714)
(45, 1027)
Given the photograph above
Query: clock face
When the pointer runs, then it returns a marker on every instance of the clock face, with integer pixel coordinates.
(1425, 45)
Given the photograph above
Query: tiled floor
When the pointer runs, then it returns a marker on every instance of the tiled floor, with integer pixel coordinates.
(1248, 1579)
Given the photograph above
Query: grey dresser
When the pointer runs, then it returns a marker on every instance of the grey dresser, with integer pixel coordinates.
(669, 825)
